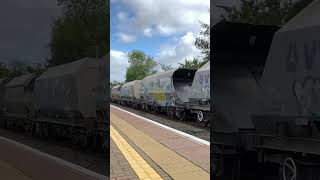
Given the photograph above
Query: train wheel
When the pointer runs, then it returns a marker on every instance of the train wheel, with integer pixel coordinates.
(33, 129)
(37, 129)
(289, 169)
(74, 139)
(84, 141)
(156, 108)
(168, 112)
(43, 130)
(30, 128)
(8, 124)
(75, 136)
(40, 133)
(181, 115)
(200, 116)
(58, 131)
(104, 144)
(46, 130)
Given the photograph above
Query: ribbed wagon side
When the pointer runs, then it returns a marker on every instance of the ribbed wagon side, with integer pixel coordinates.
(70, 101)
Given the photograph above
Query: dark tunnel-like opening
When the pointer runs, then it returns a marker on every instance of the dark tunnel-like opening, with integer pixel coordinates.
(182, 81)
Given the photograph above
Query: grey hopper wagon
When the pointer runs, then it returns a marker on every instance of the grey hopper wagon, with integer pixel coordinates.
(19, 102)
(168, 91)
(200, 93)
(169, 88)
(68, 88)
(130, 92)
(3, 82)
(102, 90)
(269, 103)
(74, 95)
(115, 93)
(177, 92)
(200, 89)
(18, 96)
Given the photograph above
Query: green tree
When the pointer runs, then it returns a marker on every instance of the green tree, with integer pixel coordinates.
(296, 8)
(165, 67)
(16, 68)
(140, 66)
(192, 64)
(203, 41)
(82, 31)
(115, 83)
(266, 12)
(4, 71)
(35, 69)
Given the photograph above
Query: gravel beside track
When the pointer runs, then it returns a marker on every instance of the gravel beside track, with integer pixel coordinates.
(187, 126)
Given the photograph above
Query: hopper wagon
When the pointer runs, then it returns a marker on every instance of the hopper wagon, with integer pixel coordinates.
(168, 91)
(19, 102)
(67, 101)
(177, 93)
(130, 93)
(266, 95)
(115, 93)
(199, 101)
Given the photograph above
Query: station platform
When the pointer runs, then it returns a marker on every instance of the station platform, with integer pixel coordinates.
(21, 162)
(144, 149)
(8, 172)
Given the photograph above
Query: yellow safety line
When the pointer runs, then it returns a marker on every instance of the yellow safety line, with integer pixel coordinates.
(138, 164)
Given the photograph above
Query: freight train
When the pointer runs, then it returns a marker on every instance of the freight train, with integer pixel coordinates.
(267, 99)
(67, 101)
(178, 93)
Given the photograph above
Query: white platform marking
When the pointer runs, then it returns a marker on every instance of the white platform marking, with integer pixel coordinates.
(193, 138)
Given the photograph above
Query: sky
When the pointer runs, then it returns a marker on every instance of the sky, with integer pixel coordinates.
(25, 29)
(165, 30)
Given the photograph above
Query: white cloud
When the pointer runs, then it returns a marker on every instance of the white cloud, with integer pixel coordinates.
(122, 16)
(166, 30)
(177, 20)
(118, 65)
(169, 17)
(147, 32)
(126, 38)
(184, 49)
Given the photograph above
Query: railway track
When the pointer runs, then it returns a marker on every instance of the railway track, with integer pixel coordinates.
(186, 126)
